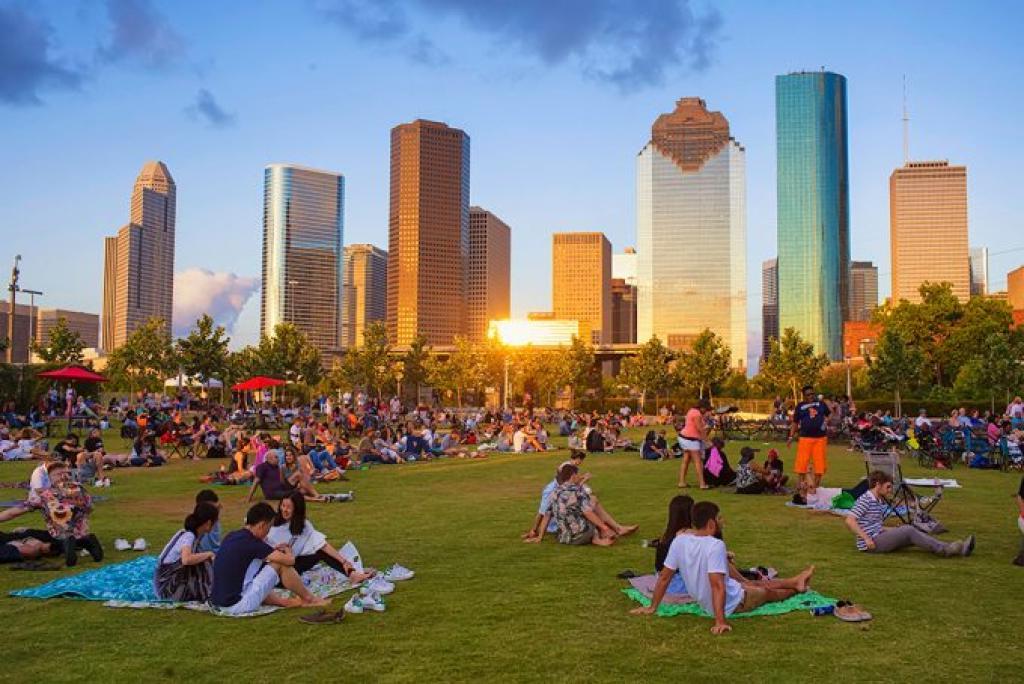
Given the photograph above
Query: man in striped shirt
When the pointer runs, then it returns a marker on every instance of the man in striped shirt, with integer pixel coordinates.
(868, 514)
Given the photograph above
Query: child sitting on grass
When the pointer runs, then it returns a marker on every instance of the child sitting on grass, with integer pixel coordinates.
(66, 507)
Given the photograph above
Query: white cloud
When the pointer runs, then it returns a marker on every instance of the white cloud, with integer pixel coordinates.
(222, 295)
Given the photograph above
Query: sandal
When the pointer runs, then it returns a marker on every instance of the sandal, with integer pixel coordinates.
(322, 617)
(626, 574)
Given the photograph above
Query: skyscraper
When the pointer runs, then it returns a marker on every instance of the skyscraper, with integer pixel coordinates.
(364, 292)
(691, 230)
(769, 304)
(624, 265)
(623, 312)
(581, 287)
(863, 290)
(303, 233)
(928, 228)
(139, 262)
(978, 258)
(490, 272)
(428, 232)
(813, 207)
(1015, 288)
(87, 325)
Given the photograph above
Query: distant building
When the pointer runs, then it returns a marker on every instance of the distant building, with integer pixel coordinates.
(87, 325)
(540, 316)
(978, 267)
(364, 291)
(539, 333)
(109, 292)
(691, 230)
(1015, 288)
(581, 285)
(769, 304)
(860, 338)
(863, 290)
(489, 286)
(813, 205)
(624, 265)
(623, 312)
(928, 229)
(428, 233)
(303, 234)
(22, 329)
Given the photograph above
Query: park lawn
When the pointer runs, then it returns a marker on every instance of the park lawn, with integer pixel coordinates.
(484, 606)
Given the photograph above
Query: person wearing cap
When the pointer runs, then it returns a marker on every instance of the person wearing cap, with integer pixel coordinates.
(809, 421)
(750, 477)
(922, 422)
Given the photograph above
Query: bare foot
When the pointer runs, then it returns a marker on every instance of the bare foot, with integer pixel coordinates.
(683, 485)
(315, 602)
(803, 580)
(601, 541)
(626, 530)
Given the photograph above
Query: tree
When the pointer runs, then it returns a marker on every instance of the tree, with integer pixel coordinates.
(203, 353)
(414, 364)
(790, 364)
(287, 353)
(706, 364)
(145, 359)
(578, 360)
(927, 326)
(995, 369)
(65, 345)
(896, 366)
(649, 370)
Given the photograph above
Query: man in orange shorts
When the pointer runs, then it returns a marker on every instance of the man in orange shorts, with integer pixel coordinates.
(809, 420)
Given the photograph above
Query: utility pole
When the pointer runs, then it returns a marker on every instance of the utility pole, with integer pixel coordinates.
(906, 124)
(31, 319)
(13, 287)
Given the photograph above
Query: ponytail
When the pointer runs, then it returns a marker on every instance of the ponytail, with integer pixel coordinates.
(204, 512)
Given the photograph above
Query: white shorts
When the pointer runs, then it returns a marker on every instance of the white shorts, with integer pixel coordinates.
(691, 444)
(257, 586)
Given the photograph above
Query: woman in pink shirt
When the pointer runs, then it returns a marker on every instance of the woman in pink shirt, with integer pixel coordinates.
(691, 439)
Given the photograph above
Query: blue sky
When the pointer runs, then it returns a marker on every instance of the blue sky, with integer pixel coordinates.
(557, 97)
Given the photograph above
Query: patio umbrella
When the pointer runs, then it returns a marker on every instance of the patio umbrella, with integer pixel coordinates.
(73, 374)
(257, 383)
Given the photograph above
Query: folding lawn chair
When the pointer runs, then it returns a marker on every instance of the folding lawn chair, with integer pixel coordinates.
(905, 504)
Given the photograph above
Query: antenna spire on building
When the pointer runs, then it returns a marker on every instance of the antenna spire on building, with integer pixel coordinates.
(906, 124)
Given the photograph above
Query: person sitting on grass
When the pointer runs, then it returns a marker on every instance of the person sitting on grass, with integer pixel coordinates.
(211, 540)
(1019, 560)
(270, 478)
(680, 521)
(66, 507)
(650, 451)
(576, 458)
(292, 528)
(145, 453)
(27, 446)
(184, 572)
(868, 515)
(578, 515)
(752, 478)
(246, 569)
(322, 461)
(702, 561)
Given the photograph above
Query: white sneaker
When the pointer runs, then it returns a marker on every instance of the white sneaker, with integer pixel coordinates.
(122, 545)
(398, 573)
(139, 545)
(361, 604)
(380, 586)
(354, 605)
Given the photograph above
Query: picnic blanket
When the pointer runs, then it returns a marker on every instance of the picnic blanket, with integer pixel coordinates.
(932, 482)
(21, 502)
(820, 509)
(645, 585)
(804, 601)
(130, 585)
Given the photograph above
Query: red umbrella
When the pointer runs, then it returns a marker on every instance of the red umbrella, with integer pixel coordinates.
(257, 383)
(73, 374)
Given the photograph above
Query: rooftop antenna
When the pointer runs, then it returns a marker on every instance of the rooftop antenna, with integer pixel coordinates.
(906, 125)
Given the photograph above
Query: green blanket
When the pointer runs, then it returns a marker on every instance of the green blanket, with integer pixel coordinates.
(804, 601)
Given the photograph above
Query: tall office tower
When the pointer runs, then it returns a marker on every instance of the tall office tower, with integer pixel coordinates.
(428, 232)
(20, 341)
(928, 228)
(364, 292)
(303, 233)
(813, 207)
(490, 272)
(978, 260)
(624, 265)
(691, 221)
(141, 261)
(1015, 288)
(87, 325)
(623, 311)
(863, 290)
(581, 285)
(109, 292)
(769, 304)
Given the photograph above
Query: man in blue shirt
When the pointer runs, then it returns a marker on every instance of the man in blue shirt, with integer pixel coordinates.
(809, 421)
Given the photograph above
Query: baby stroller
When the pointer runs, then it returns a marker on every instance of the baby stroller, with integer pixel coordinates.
(930, 452)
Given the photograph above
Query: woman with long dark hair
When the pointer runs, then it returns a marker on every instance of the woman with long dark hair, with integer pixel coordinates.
(183, 572)
(680, 520)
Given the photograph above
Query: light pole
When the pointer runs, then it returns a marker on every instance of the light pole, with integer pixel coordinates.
(506, 383)
(849, 380)
(31, 318)
(13, 287)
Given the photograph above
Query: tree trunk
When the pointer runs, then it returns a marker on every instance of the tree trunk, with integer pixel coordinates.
(899, 404)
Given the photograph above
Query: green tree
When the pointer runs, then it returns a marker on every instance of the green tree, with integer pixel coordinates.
(579, 366)
(649, 370)
(995, 370)
(286, 353)
(145, 359)
(64, 345)
(927, 327)
(706, 364)
(895, 366)
(203, 353)
(790, 364)
(414, 365)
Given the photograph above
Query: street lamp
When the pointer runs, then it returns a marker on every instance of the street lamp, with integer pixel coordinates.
(506, 382)
(849, 382)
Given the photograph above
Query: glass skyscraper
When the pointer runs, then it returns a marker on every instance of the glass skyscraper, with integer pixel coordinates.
(813, 207)
(691, 269)
(303, 228)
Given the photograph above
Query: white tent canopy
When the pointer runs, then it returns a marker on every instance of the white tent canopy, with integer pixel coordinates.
(187, 381)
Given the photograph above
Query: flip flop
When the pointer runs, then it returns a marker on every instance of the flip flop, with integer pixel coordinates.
(322, 617)
(626, 574)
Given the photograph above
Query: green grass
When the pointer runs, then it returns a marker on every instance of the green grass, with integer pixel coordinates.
(484, 606)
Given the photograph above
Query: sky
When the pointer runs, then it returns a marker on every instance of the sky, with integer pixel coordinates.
(557, 96)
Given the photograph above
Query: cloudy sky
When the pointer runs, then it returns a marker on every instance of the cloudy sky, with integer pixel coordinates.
(558, 98)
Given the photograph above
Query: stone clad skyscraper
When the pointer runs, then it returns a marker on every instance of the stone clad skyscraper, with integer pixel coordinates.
(364, 292)
(428, 233)
(813, 207)
(303, 233)
(692, 231)
(581, 283)
(140, 260)
(489, 280)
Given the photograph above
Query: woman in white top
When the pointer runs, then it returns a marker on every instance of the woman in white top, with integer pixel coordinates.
(309, 545)
(183, 572)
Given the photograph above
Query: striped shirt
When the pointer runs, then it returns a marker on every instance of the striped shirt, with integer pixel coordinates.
(869, 512)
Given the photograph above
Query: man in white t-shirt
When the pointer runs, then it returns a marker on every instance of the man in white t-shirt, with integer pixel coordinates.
(701, 560)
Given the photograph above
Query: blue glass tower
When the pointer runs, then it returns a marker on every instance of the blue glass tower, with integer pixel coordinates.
(813, 207)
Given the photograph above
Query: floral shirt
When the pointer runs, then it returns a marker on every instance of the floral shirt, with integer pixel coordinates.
(569, 502)
(66, 507)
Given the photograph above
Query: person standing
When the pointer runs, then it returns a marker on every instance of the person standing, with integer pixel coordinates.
(692, 439)
(809, 421)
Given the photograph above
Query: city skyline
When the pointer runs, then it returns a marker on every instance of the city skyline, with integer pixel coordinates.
(219, 164)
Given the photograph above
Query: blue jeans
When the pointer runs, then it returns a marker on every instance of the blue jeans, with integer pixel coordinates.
(322, 460)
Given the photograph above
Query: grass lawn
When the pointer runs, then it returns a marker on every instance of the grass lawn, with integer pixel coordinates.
(484, 606)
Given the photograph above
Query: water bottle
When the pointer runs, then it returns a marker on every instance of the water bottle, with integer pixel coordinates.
(823, 610)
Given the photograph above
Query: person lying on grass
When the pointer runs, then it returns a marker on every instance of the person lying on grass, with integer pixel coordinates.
(868, 515)
(25, 545)
(292, 528)
(184, 572)
(702, 561)
(246, 569)
(578, 515)
(539, 525)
